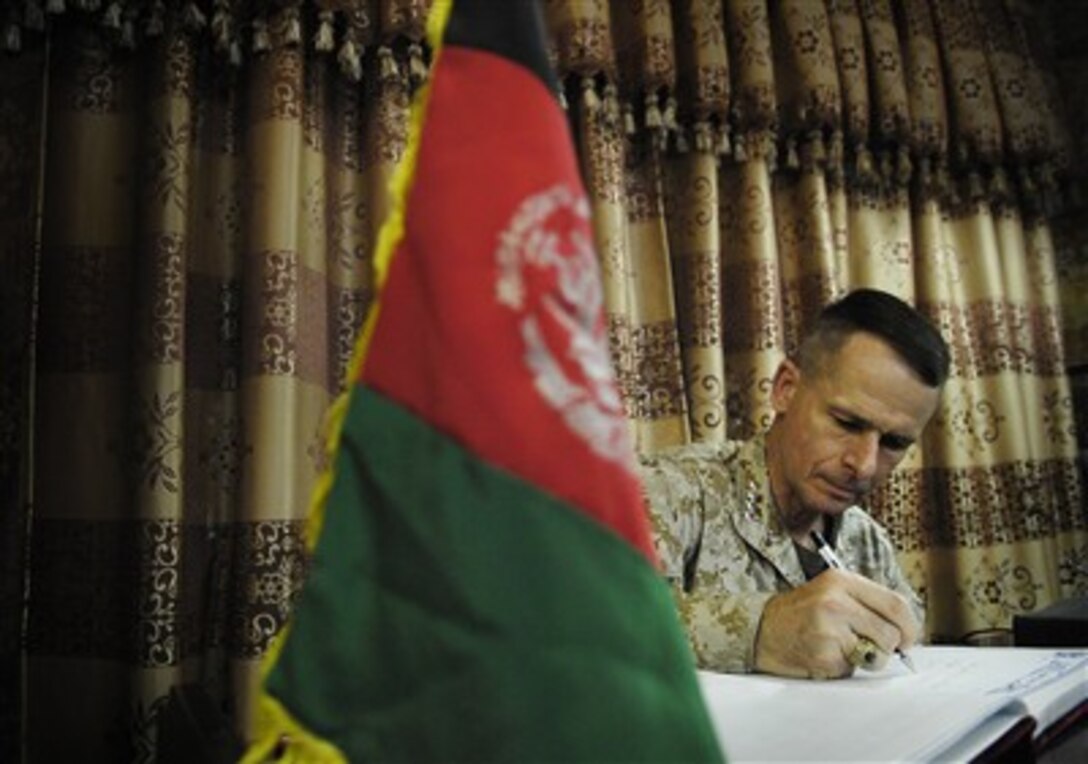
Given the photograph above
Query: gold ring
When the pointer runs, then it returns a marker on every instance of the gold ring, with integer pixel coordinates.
(864, 654)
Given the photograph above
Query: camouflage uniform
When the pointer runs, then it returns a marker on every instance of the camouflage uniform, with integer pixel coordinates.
(725, 552)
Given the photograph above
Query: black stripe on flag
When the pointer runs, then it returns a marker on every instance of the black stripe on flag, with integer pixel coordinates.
(513, 29)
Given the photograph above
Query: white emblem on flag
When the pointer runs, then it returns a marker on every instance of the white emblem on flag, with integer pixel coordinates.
(548, 276)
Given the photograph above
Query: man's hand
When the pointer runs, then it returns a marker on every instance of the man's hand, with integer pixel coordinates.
(811, 630)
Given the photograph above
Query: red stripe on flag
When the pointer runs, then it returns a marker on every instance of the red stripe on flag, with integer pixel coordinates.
(491, 325)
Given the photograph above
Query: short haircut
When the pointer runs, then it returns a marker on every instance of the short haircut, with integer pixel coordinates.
(882, 315)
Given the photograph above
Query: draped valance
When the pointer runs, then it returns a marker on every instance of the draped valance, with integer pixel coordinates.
(956, 97)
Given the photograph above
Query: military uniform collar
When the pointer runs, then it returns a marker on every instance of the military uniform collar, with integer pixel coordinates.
(758, 522)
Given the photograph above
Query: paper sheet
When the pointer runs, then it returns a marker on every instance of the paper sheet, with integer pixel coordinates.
(892, 715)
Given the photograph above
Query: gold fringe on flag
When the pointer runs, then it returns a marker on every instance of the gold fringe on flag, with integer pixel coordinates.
(276, 731)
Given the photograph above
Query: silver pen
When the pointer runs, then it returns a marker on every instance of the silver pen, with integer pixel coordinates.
(828, 555)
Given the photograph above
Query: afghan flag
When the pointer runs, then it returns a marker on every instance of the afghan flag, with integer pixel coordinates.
(483, 586)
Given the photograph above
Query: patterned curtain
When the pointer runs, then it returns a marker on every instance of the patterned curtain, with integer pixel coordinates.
(189, 194)
(750, 160)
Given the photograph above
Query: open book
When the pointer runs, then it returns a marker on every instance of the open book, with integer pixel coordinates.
(960, 699)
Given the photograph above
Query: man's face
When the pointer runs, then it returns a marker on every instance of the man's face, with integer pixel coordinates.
(844, 430)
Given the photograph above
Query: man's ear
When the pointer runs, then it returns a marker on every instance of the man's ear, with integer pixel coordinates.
(784, 385)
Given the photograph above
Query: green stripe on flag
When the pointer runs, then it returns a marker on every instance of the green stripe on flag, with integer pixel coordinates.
(456, 612)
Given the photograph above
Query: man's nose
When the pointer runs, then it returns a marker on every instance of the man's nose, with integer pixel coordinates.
(862, 454)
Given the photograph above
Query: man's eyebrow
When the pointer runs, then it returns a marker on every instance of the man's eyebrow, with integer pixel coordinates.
(845, 414)
(895, 439)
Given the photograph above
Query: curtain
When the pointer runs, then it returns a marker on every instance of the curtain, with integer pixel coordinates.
(751, 160)
(190, 273)
(190, 192)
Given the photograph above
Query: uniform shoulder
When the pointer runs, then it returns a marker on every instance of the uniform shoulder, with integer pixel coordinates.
(691, 455)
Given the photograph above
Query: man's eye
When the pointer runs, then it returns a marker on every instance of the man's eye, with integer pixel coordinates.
(894, 443)
(849, 424)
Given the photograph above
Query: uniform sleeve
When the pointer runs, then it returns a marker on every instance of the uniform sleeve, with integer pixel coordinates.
(896, 580)
(875, 557)
(721, 620)
(674, 500)
(722, 627)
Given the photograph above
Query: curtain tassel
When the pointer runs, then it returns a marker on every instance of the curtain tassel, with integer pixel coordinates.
(128, 28)
(793, 162)
(703, 141)
(33, 16)
(221, 23)
(293, 32)
(612, 104)
(725, 147)
(925, 175)
(417, 69)
(155, 19)
(999, 183)
(974, 186)
(659, 139)
(817, 148)
(193, 17)
(590, 100)
(669, 117)
(387, 64)
(323, 37)
(629, 126)
(111, 19)
(944, 180)
(13, 40)
(836, 150)
(1028, 189)
(1045, 173)
(864, 163)
(262, 40)
(740, 152)
(1026, 182)
(653, 112)
(351, 63)
(887, 166)
(682, 144)
(903, 167)
(769, 150)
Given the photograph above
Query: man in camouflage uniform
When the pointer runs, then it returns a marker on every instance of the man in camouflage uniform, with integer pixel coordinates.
(733, 522)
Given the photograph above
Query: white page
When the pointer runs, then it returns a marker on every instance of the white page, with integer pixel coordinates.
(1043, 682)
(892, 715)
(763, 719)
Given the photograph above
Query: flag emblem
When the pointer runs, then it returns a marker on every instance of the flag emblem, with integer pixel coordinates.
(548, 277)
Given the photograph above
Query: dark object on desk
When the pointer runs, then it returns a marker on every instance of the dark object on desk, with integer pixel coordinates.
(192, 729)
(1063, 624)
(1066, 741)
(1014, 747)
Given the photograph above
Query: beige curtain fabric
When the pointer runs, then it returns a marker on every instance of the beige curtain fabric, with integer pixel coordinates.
(200, 270)
(773, 155)
(189, 196)
(751, 160)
